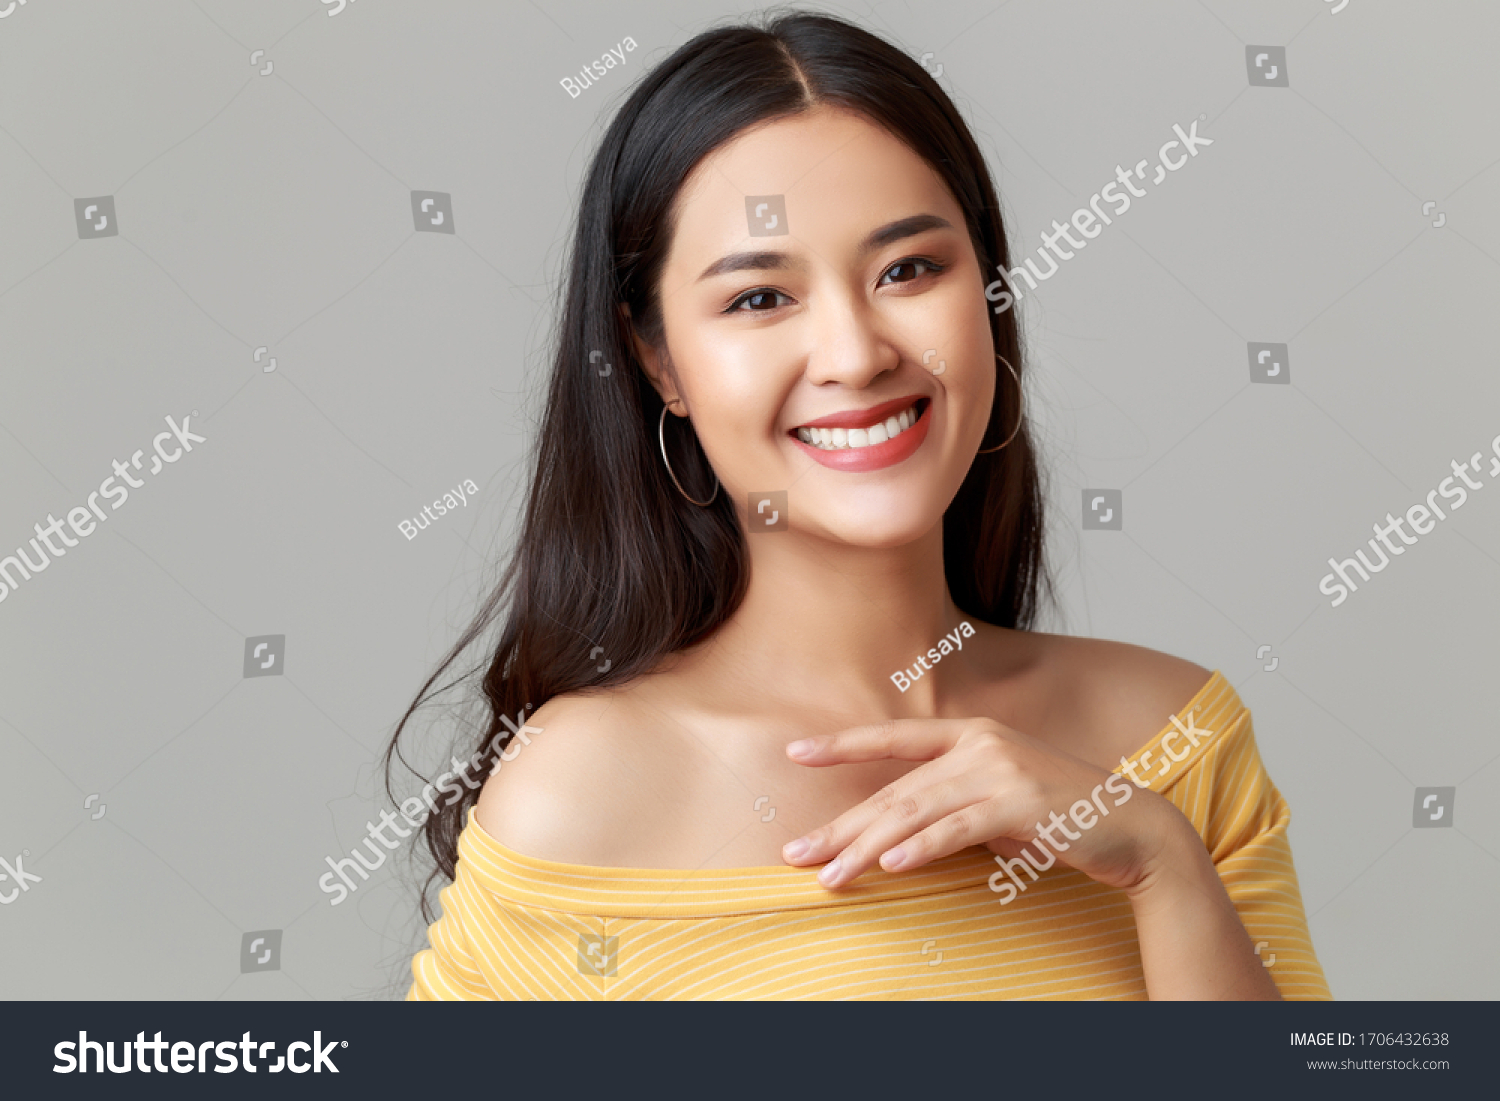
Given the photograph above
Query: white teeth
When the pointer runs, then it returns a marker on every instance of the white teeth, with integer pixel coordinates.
(835, 439)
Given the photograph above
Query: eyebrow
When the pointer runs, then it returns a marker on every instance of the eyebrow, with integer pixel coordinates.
(777, 260)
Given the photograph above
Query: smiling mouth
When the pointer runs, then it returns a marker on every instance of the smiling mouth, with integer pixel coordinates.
(844, 439)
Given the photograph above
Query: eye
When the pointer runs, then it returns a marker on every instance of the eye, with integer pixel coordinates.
(765, 296)
(764, 299)
(914, 263)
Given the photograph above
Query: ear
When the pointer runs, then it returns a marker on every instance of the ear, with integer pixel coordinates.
(655, 362)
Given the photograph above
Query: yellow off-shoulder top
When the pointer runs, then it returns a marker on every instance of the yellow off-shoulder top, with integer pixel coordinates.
(514, 927)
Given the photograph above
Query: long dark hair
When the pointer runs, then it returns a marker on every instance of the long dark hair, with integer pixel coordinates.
(612, 562)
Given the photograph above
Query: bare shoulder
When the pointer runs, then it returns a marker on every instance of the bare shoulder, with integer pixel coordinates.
(1125, 694)
(557, 795)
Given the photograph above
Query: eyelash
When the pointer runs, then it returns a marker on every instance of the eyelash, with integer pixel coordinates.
(934, 268)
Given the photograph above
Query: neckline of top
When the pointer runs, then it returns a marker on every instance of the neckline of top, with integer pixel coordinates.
(614, 891)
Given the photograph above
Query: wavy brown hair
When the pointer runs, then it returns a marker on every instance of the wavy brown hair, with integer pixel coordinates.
(609, 553)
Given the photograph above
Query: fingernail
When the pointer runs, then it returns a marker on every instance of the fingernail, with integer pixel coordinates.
(830, 872)
(893, 859)
(795, 849)
(800, 749)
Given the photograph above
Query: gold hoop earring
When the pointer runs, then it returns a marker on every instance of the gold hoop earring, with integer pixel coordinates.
(1019, 413)
(661, 438)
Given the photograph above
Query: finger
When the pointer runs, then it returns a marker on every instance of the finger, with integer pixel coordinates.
(975, 824)
(898, 739)
(907, 817)
(824, 842)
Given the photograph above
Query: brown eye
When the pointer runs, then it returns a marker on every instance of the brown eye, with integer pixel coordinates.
(918, 268)
(766, 300)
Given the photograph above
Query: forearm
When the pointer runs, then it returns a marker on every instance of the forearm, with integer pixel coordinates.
(1193, 944)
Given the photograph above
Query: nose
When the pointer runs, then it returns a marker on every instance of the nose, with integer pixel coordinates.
(849, 347)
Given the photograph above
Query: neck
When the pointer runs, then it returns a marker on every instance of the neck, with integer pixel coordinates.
(828, 625)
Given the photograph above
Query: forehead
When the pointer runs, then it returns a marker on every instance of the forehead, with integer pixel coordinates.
(836, 172)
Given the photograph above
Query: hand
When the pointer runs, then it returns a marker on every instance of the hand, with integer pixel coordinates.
(984, 784)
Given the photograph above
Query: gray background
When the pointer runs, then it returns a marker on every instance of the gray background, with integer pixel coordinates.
(275, 211)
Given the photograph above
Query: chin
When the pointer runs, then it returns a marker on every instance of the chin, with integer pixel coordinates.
(876, 528)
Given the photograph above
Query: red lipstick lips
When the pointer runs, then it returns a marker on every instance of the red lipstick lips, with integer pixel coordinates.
(875, 456)
(863, 418)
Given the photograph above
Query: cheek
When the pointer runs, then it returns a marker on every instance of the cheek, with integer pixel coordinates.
(737, 384)
(980, 394)
(949, 334)
(977, 384)
(969, 382)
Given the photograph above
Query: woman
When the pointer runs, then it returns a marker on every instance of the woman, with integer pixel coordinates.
(737, 782)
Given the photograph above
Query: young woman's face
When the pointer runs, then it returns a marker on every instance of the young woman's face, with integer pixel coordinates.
(821, 278)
